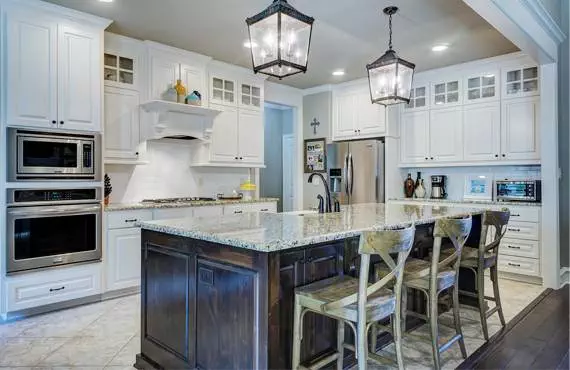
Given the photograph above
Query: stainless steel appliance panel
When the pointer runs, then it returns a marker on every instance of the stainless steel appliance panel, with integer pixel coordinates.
(518, 190)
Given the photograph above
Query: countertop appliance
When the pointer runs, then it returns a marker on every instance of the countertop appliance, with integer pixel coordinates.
(438, 187)
(356, 171)
(38, 155)
(52, 227)
(518, 190)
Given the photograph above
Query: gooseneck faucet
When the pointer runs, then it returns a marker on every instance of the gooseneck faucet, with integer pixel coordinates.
(328, 208)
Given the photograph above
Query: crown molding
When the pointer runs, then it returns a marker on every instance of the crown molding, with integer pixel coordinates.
(543, 17)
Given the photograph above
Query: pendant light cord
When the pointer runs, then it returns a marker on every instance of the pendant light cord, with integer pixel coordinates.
(390, 27)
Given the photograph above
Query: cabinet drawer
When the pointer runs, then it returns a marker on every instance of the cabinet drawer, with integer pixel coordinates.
(525, 214)
(237, 209)
(264, 207)
(170, 213)
(519, 265)
(519, 247)
(52, 286)
(208, 211)
(124, 219)
(522, 230)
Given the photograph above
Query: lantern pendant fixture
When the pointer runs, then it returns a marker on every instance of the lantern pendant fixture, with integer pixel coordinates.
(390, 77)
(279, 39)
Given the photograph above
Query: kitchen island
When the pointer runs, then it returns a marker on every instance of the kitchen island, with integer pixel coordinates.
(218, 292)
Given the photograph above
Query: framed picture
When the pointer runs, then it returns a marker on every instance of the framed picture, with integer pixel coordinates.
(315, 155)
(478, 187)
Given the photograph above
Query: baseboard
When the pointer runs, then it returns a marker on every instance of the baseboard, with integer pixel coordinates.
(564, 276)
(522, 278)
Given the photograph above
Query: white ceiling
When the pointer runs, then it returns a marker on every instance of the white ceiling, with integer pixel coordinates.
(347, 34)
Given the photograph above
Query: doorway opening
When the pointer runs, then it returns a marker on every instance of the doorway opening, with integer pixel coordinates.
(278, 177)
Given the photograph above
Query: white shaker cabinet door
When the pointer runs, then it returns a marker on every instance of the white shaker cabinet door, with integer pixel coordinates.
(79, 78)
(250, 137)
(344, 116)
(31, 70)
(482, 132)
(121, 123)
(371, 118)
(520, 136)
(163, 75)
(445, 135)
(415, 137)
(224, 147)
(123, 262)
(195, 80)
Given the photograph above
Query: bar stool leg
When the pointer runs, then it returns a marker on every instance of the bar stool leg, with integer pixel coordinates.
(432, 308)
(495, 278)
(362, 345)
(457, 320)
(404, 306)
(297, 335)
(397, 334)
(481, 299)
(340, 344)
(373, 337)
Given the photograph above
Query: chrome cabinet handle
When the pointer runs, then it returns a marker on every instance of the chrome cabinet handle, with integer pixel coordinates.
(264, 209)
(56, 289)
(515, 215)
(514, 264)
(511, 229)
(513, 247)
(132, 220)
(238, 211)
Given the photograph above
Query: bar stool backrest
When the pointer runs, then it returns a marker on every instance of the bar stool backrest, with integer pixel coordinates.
(498, 221)
(457, 229)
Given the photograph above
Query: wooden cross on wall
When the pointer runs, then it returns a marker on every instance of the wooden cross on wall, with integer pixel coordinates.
(315, 124)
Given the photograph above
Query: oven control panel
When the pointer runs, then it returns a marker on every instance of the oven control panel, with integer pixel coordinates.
(37, 196)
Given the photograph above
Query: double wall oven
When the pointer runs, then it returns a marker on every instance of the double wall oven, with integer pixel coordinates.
(57, 222)
(52, 227)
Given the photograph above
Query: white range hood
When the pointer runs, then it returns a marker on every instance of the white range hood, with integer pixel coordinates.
(179, 121)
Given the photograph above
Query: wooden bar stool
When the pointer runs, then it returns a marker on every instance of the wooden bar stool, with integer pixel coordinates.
(432, 278)
(478, 259)
(355, 301)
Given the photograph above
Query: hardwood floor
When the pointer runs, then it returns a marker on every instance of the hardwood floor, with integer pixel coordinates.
(537, 338)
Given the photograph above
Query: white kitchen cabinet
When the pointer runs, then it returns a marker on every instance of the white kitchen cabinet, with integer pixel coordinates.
(446, 135)
(481, 87)
(415, 137)
(31, 49)
(223, 90)
(120, 70)
(250, 137)
(356, 117)
(251, 96)
(163, 75)
(123, 258)
(446, 93)
(520, 131)
(482, 132)
(79, 78)
(520, 81)
(171, 213)
(57, 60)
(122, 124)
(250, 207)
(224, 147)
(208, 211)
(194, 80)
(419, 98)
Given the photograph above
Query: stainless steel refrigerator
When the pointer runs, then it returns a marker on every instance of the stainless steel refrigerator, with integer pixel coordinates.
(356, 171)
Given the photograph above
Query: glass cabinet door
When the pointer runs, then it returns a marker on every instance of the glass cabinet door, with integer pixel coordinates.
(223, 91)
(521, 81)
(119, 70)
(418, 98)
(250, 96)
(481, 87)
(446, 93)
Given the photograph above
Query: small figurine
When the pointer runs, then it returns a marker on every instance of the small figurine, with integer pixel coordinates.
(195, 98)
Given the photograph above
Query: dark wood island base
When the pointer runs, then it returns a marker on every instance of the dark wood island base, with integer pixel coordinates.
(211, 306)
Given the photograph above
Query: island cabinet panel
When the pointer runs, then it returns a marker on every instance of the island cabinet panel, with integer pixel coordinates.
(226, 317)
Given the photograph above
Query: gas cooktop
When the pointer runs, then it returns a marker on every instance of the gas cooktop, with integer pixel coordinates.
(179, 200)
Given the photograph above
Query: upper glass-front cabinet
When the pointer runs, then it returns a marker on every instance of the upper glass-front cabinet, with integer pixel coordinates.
(521, 81)
(250, 96)
(446, 93)
(223, 91)
(119, 70)
(418, 98)
(482, 87)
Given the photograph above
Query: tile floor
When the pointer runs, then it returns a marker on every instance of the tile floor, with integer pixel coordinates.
(106, 335)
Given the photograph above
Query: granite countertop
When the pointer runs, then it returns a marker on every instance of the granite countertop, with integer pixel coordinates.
(474, 202)
(269, 232)
(197, 203)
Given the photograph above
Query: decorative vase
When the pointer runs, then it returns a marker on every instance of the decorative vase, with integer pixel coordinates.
(420, 191)
(180, 91)
(170, 94)
(418, 179)
(409, 186)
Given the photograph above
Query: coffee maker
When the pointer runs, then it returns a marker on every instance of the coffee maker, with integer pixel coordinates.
(438, 187)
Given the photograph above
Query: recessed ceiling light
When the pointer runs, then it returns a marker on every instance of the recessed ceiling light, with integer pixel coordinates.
(440, 47)
(106, 1)
(339, 72)
(249, 45)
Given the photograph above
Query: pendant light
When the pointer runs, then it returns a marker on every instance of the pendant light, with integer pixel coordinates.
(390, 77)
(279, 38)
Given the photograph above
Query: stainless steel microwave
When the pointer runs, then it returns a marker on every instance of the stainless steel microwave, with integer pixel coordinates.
(518, 190)
(37, 155)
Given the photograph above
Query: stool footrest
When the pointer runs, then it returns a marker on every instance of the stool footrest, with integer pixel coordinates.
(449, 343)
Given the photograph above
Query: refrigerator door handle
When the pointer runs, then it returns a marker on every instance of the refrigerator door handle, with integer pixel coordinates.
(351, 174)
(345, 170)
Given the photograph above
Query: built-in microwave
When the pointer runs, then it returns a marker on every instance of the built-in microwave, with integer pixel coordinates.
(518, 190)
(38, 155)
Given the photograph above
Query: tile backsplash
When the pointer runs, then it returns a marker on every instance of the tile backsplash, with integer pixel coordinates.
(168, 174)
(456, 176)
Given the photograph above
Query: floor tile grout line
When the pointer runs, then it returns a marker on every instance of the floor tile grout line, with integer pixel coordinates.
(116, 354)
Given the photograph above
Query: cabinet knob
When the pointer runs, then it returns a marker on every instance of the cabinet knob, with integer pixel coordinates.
(53, 122)
(61, 122)
(235, 157)
(427, 158)
(241, 158)
(355, 131)
(431, 158)
(137, 153)
(496, 156)
(504, 155)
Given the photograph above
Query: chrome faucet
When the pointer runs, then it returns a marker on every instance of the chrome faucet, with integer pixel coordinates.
(328, 206)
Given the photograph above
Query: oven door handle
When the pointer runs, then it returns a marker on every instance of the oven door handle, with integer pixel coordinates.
(56, 210)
